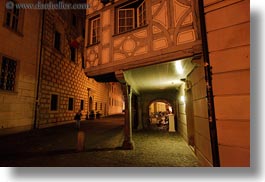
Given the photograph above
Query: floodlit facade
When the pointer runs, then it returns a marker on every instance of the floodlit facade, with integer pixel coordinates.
(194, 55)
(42, 75)
(19, 55)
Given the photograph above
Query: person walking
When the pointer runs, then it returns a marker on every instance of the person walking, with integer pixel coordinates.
(78, 118)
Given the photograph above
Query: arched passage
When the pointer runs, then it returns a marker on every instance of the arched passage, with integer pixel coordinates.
(159, 111)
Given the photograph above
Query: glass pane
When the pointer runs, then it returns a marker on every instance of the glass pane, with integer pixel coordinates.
(14, 23)
(129, 13)
(121, 13)
(122, 22)
(122, 29)
(130, 22)
(8, 19)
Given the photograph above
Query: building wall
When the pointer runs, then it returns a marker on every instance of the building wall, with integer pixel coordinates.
(171, 32)
(229, 47)
(182, 120)
(116, 102)
(66, 78)
(17, 108)
(201, 117)
(194, 125)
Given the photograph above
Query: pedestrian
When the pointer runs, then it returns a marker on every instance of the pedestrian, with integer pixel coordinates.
(78, 118)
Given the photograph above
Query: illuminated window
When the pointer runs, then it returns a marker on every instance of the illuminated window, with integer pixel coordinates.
(94, 30)
(131, 16)
(8, 68)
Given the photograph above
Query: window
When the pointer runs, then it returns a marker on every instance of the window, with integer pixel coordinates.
(96, 106)
(71, 104)
(100, 107)
(126, 20)
(54, 102)
(74, 20)
(73, 54)
(8, 69)
(130, 16)
(141, 10)
(57, 40)
(94, 30)
(13, 16)
(83, 62)
(82, 105)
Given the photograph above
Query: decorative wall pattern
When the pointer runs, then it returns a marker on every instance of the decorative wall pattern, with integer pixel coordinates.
(130, 45)
(170, 24)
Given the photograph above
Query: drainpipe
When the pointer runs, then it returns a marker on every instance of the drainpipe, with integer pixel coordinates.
(210, 97)
(35, 126)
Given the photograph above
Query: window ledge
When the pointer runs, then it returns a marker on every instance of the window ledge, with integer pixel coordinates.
(8, 92)
(91, 45)
(137, 28)
(13, 31)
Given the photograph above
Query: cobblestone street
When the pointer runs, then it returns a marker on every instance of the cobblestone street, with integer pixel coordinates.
(57, 147)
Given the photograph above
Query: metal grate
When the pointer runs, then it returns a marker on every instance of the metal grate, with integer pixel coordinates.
(8, 74)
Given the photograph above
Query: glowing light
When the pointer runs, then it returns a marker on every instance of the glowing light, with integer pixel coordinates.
(182, 98)
(179, 67)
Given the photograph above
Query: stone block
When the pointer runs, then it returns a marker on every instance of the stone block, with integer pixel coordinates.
(237, 82)
(231, 156)
(235, 107)
(230, 37)
(230, 59)
(204, 146)
(201, 126)
(234, 133)
(231, 15)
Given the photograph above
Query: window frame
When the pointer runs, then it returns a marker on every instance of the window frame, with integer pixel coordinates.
(19, 18)
(56, 32)
(73, 106)
(126, 26)
(82, 104)
(16, 73)
(97, 22)
(137, 22)
(73, 54)
(58, 102)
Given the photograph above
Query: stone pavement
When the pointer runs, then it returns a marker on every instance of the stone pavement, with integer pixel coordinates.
(56, 146)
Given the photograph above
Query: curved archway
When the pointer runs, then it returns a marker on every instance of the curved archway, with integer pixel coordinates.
(159, 110)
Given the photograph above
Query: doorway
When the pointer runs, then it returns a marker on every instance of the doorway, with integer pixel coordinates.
(90, 104)
(159, 111)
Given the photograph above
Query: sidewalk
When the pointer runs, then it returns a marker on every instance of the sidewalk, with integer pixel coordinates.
(56, 146)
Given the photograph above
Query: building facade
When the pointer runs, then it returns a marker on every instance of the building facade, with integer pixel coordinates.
(19, 55)
(43, 82)
(192, 54)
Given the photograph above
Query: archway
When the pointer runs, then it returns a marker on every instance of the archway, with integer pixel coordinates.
(159, 111)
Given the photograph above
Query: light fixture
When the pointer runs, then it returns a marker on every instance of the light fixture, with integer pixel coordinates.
(179, 67)
(182, 99)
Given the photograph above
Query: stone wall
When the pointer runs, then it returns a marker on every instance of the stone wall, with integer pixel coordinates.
(66, 78)
(229, 47)
(17, 108)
